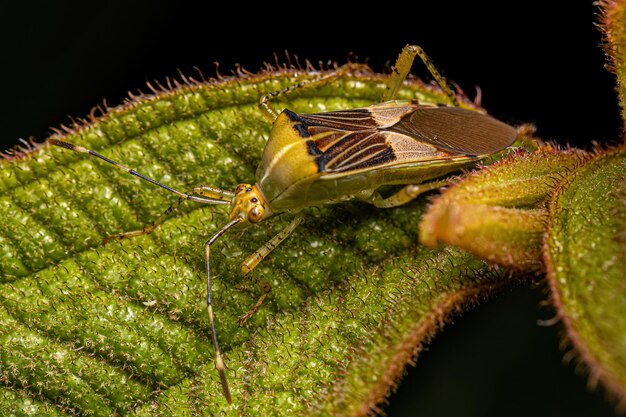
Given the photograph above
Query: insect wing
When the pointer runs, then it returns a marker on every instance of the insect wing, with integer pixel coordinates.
(393, 134)
(364, 149)
(456, 130)
(373, 117)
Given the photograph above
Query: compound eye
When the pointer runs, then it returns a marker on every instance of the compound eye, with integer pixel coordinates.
(256, 214)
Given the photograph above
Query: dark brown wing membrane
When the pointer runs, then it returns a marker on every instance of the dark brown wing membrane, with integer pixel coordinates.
(456, 130)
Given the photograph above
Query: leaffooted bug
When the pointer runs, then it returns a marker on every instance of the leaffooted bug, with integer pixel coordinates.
(323, 158)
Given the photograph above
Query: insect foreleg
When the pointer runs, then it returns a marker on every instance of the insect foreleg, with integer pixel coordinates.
(406, 194)
(253, 260)
(402, 68)
(215, 195)
(271, 114)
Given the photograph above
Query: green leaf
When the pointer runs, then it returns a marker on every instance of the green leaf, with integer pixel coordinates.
(585, 254)
(613, 24)
(123, 329)
(564, 211)
(498, 213)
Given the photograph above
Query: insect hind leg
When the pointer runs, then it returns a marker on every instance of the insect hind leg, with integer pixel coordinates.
(402, 68)
(271, 114)
(406, 194)
(215, 195)
(253, 260)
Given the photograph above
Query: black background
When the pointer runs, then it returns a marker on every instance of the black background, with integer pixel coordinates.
(533, 64)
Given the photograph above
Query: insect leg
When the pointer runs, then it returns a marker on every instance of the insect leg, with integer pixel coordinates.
(402, 68)
(266, 290)
(211, 192)
(271, 114)
(406, 194)
(253, 260)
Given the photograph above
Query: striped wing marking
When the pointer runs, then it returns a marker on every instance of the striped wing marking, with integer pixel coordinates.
(393, 134)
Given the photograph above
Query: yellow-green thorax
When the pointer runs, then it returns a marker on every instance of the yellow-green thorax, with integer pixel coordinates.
(286, 161)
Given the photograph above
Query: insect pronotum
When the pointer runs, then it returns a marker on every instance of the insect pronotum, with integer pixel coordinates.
(314, 159)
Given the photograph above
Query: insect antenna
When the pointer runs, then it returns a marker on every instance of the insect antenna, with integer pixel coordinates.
(219, 363)
(222, 197)
(217, 197)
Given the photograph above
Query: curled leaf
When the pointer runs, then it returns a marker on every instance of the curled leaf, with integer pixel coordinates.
(613, 24)
(584, 255)
(498, 213)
